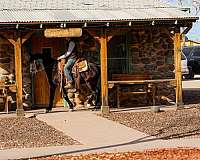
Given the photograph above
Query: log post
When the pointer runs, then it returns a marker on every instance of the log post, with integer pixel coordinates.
(18, 74)
(178, 73)
(104, 79)
(17, 42)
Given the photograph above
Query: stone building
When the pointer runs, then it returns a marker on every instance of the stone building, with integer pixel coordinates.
(137, 38)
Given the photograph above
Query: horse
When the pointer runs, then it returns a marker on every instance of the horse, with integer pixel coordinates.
(51, 67)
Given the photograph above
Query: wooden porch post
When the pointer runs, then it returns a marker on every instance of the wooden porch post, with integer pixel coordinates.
(17, 42)
(18, 74)
(104, 80)
(178, 73)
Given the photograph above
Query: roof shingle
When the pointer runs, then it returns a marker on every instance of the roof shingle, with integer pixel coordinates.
(78, 4)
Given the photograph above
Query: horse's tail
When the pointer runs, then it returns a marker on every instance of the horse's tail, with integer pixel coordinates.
(94, 70)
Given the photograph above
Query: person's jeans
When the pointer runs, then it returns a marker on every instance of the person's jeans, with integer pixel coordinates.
(67, 69)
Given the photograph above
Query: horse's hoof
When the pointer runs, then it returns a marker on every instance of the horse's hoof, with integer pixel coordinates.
(88, 105)
(94, 109)
(47, 110)
(71, 110)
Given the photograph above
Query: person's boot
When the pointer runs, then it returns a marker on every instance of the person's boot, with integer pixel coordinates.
(69, 84)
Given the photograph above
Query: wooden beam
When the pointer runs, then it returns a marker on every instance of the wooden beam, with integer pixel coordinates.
(94, 34)
(178, 73)
(186, 29)
(18, 74)
(27, 36)
(104, 78)
(110, 33)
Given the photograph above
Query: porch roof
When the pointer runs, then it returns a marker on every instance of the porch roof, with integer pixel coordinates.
(76, 11)
(54, 16)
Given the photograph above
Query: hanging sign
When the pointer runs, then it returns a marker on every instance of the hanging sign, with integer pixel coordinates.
(66, 32)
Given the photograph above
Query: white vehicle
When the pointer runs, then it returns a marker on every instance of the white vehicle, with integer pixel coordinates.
(184, 65)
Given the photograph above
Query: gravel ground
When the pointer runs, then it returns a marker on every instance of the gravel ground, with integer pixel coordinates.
(162, 154)
(29, 133)
(165, 124)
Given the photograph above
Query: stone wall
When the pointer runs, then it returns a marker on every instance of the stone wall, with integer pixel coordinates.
(6, 58)
(150, 52)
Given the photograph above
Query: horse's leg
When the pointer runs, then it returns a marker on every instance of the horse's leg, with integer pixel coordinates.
(71, 106)
(77, 80)
(94, 92)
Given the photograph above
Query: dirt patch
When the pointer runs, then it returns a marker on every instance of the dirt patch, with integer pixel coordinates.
(29, 133)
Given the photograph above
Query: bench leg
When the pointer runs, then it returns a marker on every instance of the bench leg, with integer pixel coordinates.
(6, 104)
(151, 94)
(7, 101)
(118, 94)
(154, 94)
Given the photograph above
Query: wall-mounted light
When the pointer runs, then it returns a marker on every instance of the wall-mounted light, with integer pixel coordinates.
(130, 24)
(17, 26)
(176, 22)
(64, 25)
(41, 26)
(61, 25)
(85, 24)
(107, 24)
(153, 23)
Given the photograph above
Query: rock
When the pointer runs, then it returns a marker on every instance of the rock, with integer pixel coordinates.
(31, 115)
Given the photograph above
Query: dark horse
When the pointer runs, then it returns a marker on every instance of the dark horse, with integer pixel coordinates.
(90, 77)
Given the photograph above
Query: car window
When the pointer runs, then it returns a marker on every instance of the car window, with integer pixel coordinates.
(191, 51)
(187, 51)
(195, 53)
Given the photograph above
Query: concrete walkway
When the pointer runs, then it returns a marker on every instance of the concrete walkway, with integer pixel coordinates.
(96, 134)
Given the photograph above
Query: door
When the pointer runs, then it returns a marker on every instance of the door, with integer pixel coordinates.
(41, 85)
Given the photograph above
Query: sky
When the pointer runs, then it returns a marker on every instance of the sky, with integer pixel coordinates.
(194, 33)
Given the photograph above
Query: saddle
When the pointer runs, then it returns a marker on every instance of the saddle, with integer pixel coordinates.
(80, 65)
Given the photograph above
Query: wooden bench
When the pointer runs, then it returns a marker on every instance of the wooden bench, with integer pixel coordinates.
(142, 84)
